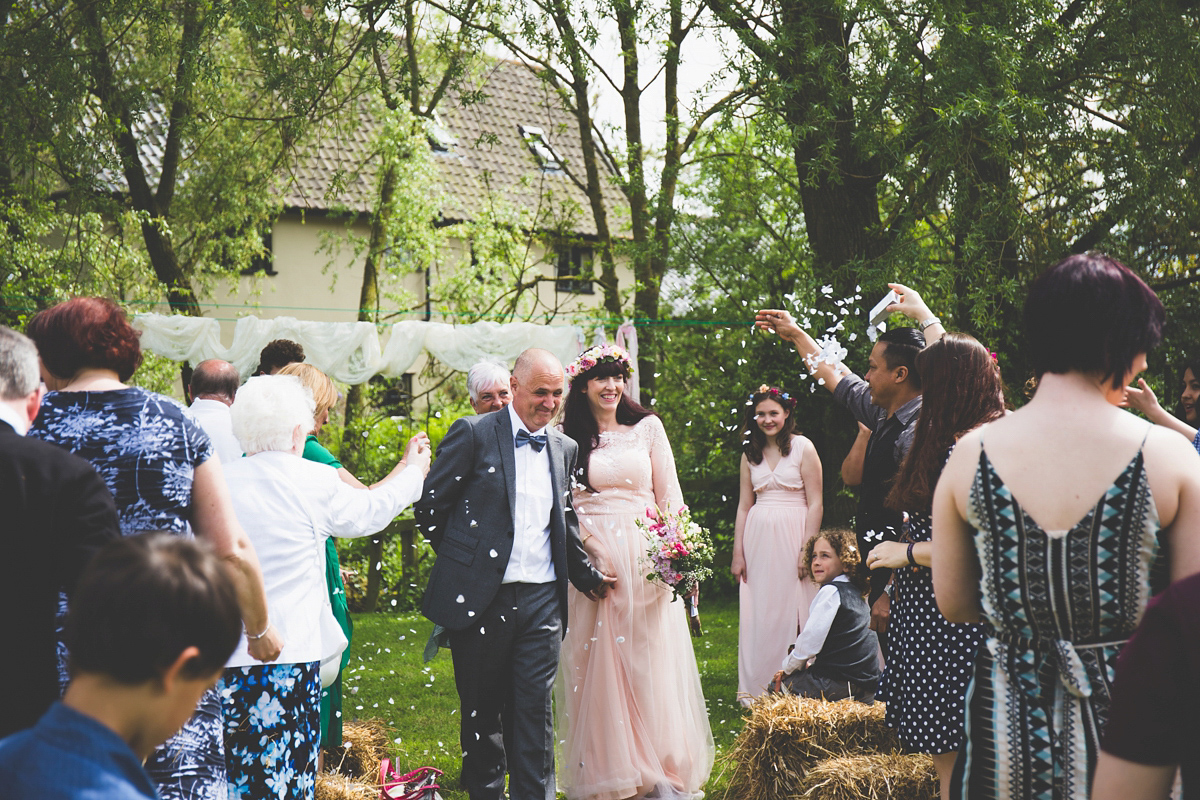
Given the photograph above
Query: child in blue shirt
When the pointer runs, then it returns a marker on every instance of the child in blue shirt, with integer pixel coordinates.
(150, 628)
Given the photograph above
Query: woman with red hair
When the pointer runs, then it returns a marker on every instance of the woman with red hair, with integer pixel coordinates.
(164, 475)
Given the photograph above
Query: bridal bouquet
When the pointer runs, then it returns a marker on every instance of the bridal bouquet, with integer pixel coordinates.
(680, 553)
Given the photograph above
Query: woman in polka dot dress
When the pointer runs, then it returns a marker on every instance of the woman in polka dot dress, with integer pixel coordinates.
(929, 659)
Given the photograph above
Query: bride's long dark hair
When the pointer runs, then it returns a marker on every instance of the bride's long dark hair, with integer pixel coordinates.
(579, 422)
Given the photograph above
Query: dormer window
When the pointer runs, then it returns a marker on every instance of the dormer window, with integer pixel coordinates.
(539, 145)
(439, 136)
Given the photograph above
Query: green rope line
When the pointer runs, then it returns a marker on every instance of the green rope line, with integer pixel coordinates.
(641, 322)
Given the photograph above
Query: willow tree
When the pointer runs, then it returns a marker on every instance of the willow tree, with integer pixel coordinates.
(157, 133)
(965, 145)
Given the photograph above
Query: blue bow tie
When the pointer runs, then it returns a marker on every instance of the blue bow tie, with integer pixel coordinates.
(537, 442)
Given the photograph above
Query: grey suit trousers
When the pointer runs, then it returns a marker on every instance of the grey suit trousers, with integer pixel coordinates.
(504, 668)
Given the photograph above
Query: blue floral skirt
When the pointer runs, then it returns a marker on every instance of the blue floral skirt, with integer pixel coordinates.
(272, 730)
(191, 764)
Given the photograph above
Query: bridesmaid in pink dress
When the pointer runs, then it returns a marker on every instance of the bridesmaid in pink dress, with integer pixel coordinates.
(779, 507)
(631, 715)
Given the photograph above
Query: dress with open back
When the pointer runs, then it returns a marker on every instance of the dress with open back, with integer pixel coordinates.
(1061, 604)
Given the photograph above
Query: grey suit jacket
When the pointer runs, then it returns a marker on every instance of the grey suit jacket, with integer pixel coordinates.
(466, 513)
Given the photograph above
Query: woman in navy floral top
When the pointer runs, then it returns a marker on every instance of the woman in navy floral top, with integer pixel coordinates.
(164, 475)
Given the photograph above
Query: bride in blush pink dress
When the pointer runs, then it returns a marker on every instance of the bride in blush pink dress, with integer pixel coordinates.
(779, 508)
(631, 715)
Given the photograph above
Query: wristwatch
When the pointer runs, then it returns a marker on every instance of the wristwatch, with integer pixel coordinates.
(927, 322)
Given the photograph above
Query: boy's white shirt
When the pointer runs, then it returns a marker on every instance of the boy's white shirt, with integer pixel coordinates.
(820, 618)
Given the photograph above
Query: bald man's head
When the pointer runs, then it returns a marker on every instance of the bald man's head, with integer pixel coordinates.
(214, 379)
(536, 358)
(537, 387)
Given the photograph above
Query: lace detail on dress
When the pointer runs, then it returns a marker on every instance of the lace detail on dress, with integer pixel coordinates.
(634, 469)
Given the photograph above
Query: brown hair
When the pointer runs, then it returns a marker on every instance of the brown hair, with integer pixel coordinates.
(143, 600)
(845, 544)
(85, 332)
(277, 354)
(962, 391)
(754, 441)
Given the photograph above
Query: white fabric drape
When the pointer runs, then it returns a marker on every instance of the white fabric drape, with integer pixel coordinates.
(627, 338)
(461, 346)
(350, 352)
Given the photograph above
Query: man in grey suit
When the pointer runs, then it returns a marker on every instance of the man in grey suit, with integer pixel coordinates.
(497, 511)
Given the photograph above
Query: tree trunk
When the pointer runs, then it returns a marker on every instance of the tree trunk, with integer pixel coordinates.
(594, 185)
(155, 207)
(368, 310)
(838, 182)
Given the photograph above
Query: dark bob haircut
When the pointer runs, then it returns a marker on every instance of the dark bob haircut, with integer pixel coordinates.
(1089, 313)
(146, 598)
(83, 333)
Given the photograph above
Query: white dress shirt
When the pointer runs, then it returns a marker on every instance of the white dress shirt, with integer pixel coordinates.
(821, 612)
(213, 416)
(531, 560)
(273, 495)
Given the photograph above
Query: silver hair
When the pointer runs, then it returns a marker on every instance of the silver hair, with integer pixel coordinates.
(19, 375)
(485, 375)
(267, 411)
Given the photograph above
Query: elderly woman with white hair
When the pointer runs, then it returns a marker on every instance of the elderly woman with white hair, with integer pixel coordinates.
(289, 507)
(488, 386)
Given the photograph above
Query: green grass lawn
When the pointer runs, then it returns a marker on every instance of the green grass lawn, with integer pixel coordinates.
(386, 680)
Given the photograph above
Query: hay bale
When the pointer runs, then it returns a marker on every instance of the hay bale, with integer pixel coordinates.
(339, 787)
(365, 743)
(871, 777)
(784, 736)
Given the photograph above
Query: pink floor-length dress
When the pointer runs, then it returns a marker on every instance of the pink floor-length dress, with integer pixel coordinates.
(631, 714)
(774, 601)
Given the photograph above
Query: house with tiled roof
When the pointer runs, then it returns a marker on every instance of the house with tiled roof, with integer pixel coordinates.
(515, 146)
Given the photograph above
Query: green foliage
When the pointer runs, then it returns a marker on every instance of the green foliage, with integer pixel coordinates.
(387, 680)
(156, 373)
(746, 254)
(143, 146)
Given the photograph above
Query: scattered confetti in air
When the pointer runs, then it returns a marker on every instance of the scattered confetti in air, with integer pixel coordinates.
(490, 469)
(460, 599)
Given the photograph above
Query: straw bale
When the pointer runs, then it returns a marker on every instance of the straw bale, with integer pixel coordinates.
(339, 787)
(871, 777)
(365, 743)
(785, 735)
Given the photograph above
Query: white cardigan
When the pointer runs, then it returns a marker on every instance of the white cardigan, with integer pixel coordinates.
(274, 494)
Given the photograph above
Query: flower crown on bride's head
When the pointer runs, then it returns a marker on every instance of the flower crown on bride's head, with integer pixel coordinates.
(599, 354)
(778, 395)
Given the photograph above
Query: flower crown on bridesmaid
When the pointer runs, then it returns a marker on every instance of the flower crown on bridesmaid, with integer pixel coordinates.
(778, 395)
(599, 354)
